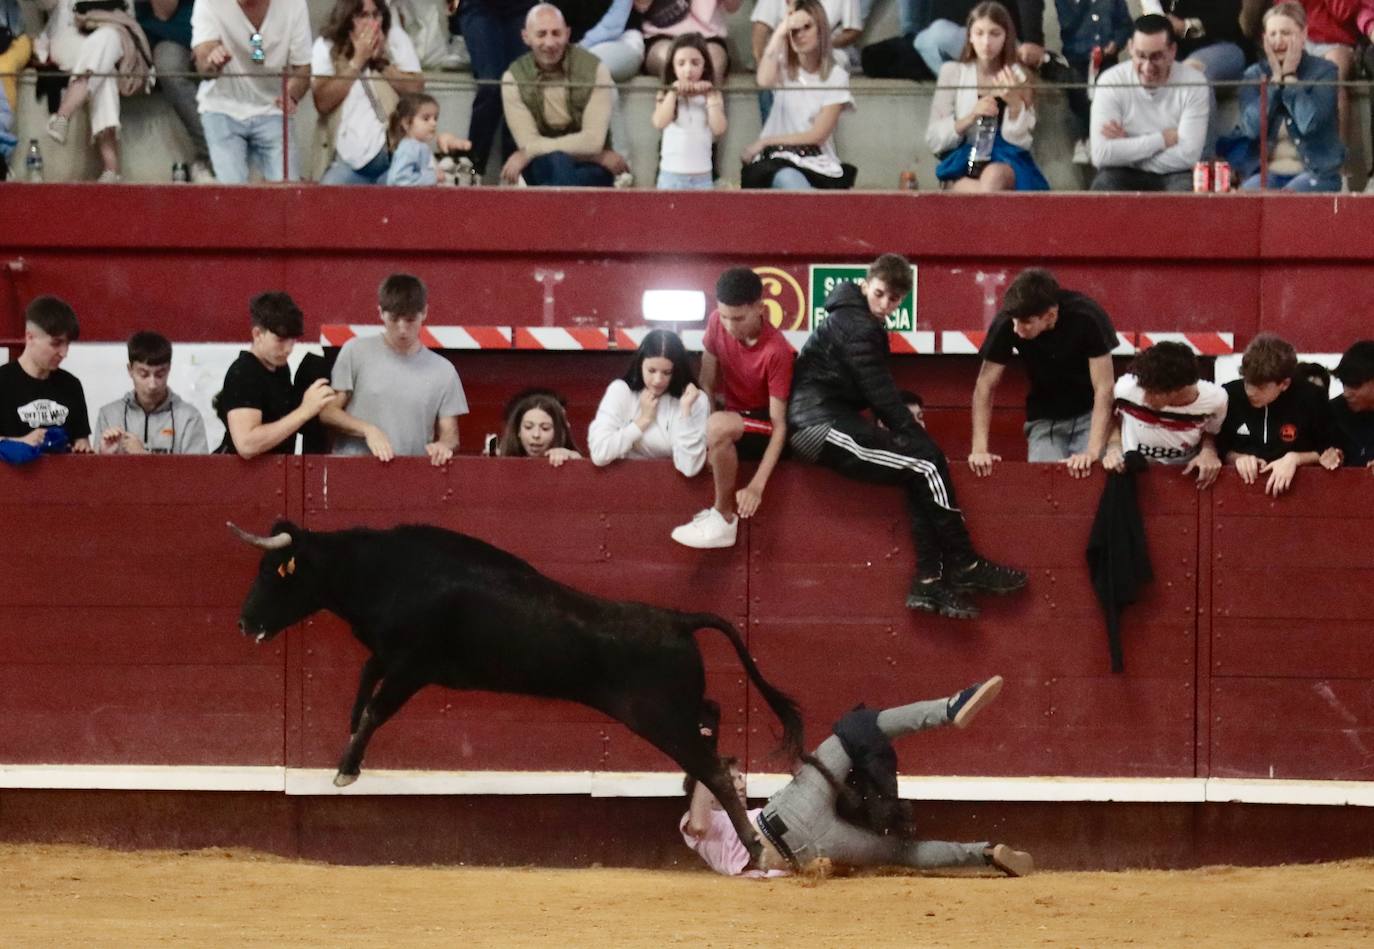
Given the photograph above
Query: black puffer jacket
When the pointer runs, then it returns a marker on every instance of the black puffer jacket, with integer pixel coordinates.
(842, 369)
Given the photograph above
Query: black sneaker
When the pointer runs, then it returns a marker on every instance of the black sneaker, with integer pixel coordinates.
(938, 597)
(984, 576)
(962, 706)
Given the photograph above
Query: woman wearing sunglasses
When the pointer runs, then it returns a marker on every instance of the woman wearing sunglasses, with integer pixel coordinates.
(244, 48)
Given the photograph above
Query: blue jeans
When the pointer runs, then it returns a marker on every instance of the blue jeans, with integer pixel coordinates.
(494, 43)
(235, 145)
(1303, 182)
(939, 43)
(340, 172)
(561, 170)
(1221, 62)
(672, 181)
(790, 179)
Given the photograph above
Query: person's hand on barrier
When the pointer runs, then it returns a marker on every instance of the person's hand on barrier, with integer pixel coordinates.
(379, 444)
(317, 397)
(1248, 467)
(1206, 464)
(1281, 473)
(116, 439)
(1079, 465)
(1332, 458)
(514, 166)
(1113, 129)
(1113, 459)
(439, 454)
(747, 500)
(689, 398)
(82, 446)
(981, 462)
(648, 409)
(557, 456)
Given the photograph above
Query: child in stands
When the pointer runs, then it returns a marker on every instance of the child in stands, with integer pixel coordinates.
(691, 115)
(413, 133)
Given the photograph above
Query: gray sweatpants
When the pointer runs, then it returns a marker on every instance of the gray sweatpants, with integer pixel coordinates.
(807, 807)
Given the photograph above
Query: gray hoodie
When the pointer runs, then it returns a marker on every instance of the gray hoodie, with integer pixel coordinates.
(173, 428)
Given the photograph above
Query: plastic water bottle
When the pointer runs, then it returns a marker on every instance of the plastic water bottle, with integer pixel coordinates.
(33, 162)
(984, 135)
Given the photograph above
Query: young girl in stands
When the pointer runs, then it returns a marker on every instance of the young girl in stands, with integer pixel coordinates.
(985, 82)
(412, 131)
(691, 115)
(537, 427)
(655, 410)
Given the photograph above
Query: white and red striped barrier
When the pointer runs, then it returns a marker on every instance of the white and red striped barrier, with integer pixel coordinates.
(562, 338)
(435, 337)
(912, 343)
(1204, 344)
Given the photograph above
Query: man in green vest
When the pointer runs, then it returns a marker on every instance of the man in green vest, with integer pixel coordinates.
(557, 99)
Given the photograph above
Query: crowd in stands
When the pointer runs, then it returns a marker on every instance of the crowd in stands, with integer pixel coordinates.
(837, 405)
(549, 101)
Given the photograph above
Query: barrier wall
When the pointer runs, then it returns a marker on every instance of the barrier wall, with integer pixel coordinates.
(185, 260)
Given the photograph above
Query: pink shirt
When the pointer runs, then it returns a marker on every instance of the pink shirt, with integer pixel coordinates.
(750, 374)
(721, 847)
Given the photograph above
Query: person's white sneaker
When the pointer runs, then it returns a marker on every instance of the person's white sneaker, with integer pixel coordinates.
(57, 128)
(707, 530)
(202, 173)
(625, 179)
(457, 57)
(108, 177)
(1081, 155)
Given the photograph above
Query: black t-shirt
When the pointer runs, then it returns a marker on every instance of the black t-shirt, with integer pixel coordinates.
(1298, 420)
(1354, 432)
(1057, 360)
(27, 403)
(250, 385)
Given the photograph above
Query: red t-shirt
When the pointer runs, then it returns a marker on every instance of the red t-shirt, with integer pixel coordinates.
(749, 375)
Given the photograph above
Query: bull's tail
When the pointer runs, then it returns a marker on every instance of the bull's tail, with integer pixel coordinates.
(782, 704)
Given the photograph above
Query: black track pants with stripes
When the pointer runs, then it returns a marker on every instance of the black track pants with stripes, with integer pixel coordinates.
(859, 449)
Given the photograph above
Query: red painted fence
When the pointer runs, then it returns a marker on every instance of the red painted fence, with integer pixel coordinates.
(1247, 658)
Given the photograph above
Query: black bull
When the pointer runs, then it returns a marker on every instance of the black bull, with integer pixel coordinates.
(437, 607)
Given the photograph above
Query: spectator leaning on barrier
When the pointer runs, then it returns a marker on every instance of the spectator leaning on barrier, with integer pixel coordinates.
(258, 406)
(1273, 426)
(1167, 414)
(1304, 150)
(1352, 411)
(749, 364)
(1065, 340)
(36, 394)
(537, 427)
(395, 396)
(150, 418)
(842, 373)
(1149, 116)
(167, 24)
(242, 47)
(557, 99)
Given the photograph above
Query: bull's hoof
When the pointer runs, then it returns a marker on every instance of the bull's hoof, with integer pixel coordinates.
(342, 780)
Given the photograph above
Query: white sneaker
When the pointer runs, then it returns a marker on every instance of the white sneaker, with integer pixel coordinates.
(625, 179)
(707, 530)
(457, 57)
(57, 128)
(202, 173)
(108, 177)
(1081, 154)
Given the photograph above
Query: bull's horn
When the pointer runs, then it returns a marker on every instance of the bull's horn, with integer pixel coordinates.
(275, 542)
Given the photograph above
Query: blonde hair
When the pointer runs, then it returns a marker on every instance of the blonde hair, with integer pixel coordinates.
(824, 46)
(1289, 8)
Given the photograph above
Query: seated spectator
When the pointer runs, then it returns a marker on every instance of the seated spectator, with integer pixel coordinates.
(1209, 35)
(1317, 374)
(934, 32)
(537, 427)
(36, 394)
(91, 56)
(796, 149)
(361, 64)
(1304, 149)
(665, 19)
(690, 112)
(1149, 116)
(1065, 340)
(151, 418)
(986, 83)
(1167, 414)
(492, 31)
(1352, 411)
(1099, 26)
(749, 363)
(1334, 29)
(1272, 426)
(655, 410)
(557, 100)
(843, 16)
(167, 24)
(393, 395)
(260, 410)
(241, 50)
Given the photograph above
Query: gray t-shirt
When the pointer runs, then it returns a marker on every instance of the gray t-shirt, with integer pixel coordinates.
(404, 396)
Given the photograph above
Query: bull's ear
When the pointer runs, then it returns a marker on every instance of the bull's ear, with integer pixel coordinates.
(283, 569)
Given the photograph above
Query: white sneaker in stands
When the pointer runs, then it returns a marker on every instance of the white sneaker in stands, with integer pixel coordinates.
(57, 128)
(202, 173)
(108, 177)
(707, 530)
(1081, 155)
(625, 179)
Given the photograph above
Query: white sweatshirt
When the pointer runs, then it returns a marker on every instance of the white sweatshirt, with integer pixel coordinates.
(615, 435)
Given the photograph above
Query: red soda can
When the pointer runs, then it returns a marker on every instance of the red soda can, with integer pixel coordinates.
(1202, 176)
(1221, 176)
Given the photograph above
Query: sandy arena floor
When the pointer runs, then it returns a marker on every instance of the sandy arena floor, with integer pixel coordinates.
(77, 896)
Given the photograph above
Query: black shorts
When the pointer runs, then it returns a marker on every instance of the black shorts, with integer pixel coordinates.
(758, 432)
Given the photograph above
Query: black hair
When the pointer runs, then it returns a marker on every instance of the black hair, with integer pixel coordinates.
(739, 286)
(402, 295)
(912, 398)
(54, 316)
(696, 42)
(1032, 293)
(1315, 373)
(277, 313)
(149, 348)
(661, 343)
(1165, 367)
(547, 401)
(1357, 364)
(1153, 23)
